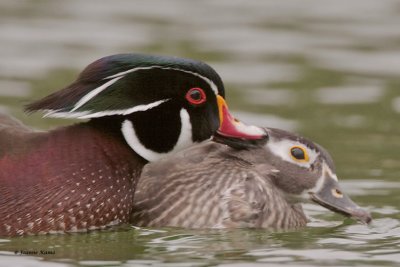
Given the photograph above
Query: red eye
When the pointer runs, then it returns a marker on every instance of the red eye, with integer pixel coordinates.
(196, 96)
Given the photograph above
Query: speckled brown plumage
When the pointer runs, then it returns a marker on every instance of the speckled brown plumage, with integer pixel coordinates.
(87, 183)
(216, 186)
(213, 186)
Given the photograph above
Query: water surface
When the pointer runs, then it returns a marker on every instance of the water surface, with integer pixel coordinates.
(326, 69)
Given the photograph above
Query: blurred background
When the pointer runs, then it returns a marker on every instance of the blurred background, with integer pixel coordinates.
(329, 70)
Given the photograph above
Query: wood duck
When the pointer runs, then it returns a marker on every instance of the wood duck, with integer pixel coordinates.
(212, 185)
(137, 108)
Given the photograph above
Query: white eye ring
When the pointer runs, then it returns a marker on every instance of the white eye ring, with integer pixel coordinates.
(283, 149)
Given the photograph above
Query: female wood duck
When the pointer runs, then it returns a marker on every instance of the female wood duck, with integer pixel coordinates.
(212, 185)
(138, 108)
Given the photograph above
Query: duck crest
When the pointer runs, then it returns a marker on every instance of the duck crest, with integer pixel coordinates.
(115, 85)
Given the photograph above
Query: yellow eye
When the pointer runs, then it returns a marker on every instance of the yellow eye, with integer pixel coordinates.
(298, 153)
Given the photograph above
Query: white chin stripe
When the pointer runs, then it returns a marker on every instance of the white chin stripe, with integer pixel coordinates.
(184, 140)
(90, 114)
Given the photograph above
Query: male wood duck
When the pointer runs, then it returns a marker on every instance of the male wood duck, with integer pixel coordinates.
(137, 108)
(212, 185)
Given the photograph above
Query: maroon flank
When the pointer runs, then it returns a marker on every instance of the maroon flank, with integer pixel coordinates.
(84, 184)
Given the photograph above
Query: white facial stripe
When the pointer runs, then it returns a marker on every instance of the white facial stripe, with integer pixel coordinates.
(124, 111)
(318, 185)
(114, 78)
(184, 140)
(330, 173)
(208, 81)
(326, 174)
(123, 73)
(94, 93)
(89, 115)
(56, 114)
(282, 148)
(133, 141)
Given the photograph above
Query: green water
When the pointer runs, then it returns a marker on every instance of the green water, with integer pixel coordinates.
(326, 69)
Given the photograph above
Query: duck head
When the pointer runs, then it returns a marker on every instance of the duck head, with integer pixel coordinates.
(160, 104)
(305, 169)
